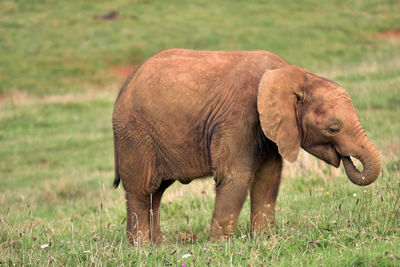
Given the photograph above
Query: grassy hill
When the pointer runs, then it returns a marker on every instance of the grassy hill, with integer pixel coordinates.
(58, 82)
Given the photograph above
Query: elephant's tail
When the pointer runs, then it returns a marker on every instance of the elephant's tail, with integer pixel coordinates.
(117, 178)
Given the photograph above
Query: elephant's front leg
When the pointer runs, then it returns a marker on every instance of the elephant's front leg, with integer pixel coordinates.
(230, 196)
(263, 194)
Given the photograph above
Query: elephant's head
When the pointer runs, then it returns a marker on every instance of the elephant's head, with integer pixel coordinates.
(298, 108)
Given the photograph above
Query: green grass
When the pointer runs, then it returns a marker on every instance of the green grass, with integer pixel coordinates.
(58, 46)
(56, 156)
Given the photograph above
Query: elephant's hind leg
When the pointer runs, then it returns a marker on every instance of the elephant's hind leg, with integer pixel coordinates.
(155, 229)
(144, 216)
(138, 171)
(138, 214)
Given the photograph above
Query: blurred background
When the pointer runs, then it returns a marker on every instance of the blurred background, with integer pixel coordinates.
(63, 62)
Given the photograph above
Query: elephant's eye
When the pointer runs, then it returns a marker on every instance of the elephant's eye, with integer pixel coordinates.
(334, 129)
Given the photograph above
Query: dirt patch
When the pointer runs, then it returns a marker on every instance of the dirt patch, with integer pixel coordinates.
(124, 71)
(109, 16)
(390, 33)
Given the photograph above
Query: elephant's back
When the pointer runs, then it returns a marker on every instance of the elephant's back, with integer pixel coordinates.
(176, 81)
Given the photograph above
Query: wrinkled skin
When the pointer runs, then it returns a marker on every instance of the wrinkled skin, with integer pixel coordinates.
(186, 114)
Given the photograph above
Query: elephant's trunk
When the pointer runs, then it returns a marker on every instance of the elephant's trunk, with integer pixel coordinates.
(370, 160)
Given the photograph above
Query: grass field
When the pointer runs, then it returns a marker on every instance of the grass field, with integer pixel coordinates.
(57, 89)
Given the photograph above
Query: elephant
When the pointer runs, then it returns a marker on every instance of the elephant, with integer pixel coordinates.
(234, 115)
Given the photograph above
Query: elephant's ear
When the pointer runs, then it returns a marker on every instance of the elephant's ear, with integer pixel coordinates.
(278, 94)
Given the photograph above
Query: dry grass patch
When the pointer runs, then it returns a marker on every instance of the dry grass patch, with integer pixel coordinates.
(21, 97)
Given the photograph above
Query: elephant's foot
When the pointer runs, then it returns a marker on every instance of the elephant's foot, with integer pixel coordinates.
(219, 236)
(140, 238)
(137, 238)
(262, 223)
(223, 229)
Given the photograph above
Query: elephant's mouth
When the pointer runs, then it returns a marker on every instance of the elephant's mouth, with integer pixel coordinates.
(334, 157)
(326, 152)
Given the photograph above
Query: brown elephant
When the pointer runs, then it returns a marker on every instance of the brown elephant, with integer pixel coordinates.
(187, 114)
